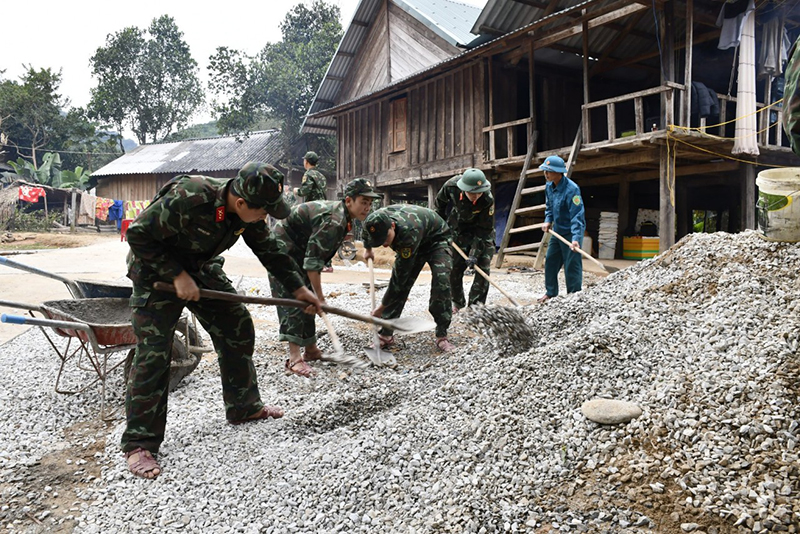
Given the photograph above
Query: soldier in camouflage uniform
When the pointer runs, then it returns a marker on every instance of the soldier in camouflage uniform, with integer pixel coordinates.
(178, 239)
(314, 184)
(418, 235)
(311, 234)
(313, 188)
(471, 219)
(791, 103)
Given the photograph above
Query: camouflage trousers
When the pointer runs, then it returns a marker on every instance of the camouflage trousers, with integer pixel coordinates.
(296, 326)
(405, 273)
(154, 317)
(483, 250)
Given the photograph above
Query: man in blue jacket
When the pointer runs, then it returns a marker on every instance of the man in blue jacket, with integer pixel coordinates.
(564, 213)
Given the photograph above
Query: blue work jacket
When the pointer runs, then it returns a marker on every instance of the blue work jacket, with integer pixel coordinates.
(564, 209)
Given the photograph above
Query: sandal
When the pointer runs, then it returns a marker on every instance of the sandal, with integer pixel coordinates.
(386, 341)
(299, 368)
(267, 412)
(144, 465)
(444, 345)
(543, 299)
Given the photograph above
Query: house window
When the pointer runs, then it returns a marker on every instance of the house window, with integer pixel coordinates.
(397, 124)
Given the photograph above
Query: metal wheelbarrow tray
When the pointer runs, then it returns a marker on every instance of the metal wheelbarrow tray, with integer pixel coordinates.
(101, 327)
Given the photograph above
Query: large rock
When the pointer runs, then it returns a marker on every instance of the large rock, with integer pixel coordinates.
(610, 411)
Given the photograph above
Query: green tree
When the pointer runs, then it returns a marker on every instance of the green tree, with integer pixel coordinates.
(147, 80)
(281, 81)
(30, 111)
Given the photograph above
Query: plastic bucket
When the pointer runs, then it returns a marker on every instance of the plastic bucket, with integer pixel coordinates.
(778, 206)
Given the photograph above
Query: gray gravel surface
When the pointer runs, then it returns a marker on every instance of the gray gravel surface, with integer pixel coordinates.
(491, 438)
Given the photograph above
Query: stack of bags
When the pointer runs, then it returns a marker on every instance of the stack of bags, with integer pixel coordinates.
(607, 236)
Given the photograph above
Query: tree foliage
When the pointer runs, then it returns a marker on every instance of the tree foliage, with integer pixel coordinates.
(147, 80)
(33, 120)
(282, 79)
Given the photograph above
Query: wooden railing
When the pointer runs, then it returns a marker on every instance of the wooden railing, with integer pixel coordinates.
(512, 131)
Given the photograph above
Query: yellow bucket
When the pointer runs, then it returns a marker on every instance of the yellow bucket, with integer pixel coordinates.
(778, 206)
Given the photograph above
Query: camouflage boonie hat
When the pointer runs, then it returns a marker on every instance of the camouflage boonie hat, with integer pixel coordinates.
(261, 185)
(360, 186)
(376, 228)
(311, 157)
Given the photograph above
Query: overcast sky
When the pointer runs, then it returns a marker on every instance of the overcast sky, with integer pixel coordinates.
(61, 34)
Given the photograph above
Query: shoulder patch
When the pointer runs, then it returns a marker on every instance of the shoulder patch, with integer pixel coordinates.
(405, 253)
(305, 178)
(491, 210)
(220, 214)
(240, 231)
(576, 200)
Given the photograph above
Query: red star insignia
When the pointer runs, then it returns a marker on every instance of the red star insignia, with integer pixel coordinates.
(220, 214)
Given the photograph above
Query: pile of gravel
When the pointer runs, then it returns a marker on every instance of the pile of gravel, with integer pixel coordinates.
(489, 439)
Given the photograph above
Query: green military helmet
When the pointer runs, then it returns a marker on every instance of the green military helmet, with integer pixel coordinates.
(261, 185)
(311, 157)
(474, 181)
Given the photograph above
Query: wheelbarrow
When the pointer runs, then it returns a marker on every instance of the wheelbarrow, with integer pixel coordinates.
(100, 327)
(185, 331)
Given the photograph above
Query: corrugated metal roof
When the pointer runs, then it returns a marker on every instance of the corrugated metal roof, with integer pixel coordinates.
(197, 155)
(449, 19)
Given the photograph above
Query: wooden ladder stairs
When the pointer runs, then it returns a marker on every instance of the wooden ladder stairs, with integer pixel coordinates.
(516, 211)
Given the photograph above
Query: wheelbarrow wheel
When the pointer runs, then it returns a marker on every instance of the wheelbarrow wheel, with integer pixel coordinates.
(347, 251)
(183, 361)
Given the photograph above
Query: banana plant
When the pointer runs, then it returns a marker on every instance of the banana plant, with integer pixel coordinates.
(79, 178)
(48, 173)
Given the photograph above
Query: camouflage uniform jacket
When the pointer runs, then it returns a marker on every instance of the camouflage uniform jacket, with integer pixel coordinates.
(313, 187)
(186, 227)
(791, 114)
(465, 217)
(418, 231)
(313, 232)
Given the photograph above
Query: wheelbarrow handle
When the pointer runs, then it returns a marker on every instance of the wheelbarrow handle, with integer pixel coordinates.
(66, 325)
(71, 285)
(292, 303)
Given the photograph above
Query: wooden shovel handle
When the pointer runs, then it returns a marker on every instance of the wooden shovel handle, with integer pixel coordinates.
(269, 301)
(580, 250)
(488, 279)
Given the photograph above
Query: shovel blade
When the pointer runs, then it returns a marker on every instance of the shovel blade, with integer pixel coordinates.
(380, 357)
(412, 325)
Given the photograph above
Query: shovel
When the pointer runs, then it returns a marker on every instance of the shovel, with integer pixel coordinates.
(483, 273)
(606, 268)
(375, 355)
(338, 355)
(406, 325)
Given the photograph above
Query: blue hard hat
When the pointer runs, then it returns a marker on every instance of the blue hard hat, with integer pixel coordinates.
(554, 164)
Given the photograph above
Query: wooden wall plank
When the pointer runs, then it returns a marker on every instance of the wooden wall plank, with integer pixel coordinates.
(423, 123)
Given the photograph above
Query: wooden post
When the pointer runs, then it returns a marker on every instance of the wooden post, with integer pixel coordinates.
(531, 93)
(686, 109)
(45, 205)
(683, 214)
(74, 218)
(666, 212)
(431, 196)
(623, 209)
(764, 136)
(747, 175)
(587, 123)
(491, 110)
(387, 198)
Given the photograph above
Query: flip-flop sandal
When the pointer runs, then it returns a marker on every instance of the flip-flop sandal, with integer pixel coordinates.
(267, 412)
(444, 345)
(299, 368)
(312, 357)
(145, 464)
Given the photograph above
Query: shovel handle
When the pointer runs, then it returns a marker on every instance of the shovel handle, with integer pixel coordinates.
(580, 250)
(269, 301)
(482, 273)
(337, 345)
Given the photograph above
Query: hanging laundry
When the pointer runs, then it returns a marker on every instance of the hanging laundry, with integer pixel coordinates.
(731, 19)
(134, 207)
(115, 212)
(102, 206)
(30, 193)
(87, 209)
(775, 46)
